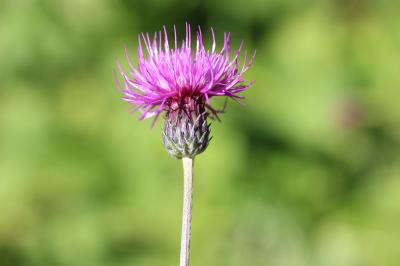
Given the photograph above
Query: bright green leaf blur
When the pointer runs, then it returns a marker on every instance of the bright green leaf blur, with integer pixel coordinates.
(306, 174)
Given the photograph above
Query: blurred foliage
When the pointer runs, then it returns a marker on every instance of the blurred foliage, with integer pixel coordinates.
(307, 174)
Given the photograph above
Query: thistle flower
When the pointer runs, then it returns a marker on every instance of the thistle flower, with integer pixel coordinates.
(180, 82)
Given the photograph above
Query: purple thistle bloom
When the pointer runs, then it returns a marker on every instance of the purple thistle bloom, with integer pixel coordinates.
(167, 76)
(181, 80)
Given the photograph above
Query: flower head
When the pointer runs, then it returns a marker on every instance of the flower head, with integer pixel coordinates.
(181, 80)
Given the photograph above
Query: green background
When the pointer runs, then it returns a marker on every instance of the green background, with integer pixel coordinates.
(306, 174)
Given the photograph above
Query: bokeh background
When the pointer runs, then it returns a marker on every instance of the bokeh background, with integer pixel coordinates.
(306, 174)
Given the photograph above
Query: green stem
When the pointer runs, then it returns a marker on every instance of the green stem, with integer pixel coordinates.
(187, 209)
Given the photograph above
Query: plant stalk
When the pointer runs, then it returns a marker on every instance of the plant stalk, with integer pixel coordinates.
(187, 209)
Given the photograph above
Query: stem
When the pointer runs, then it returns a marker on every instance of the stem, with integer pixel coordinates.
(187, 209)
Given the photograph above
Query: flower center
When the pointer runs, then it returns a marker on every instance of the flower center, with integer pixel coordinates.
(186, 104)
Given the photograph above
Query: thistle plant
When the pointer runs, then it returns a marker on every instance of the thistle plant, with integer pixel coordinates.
(179, 83)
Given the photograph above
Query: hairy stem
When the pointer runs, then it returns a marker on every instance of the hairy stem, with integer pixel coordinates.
(187, 209)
